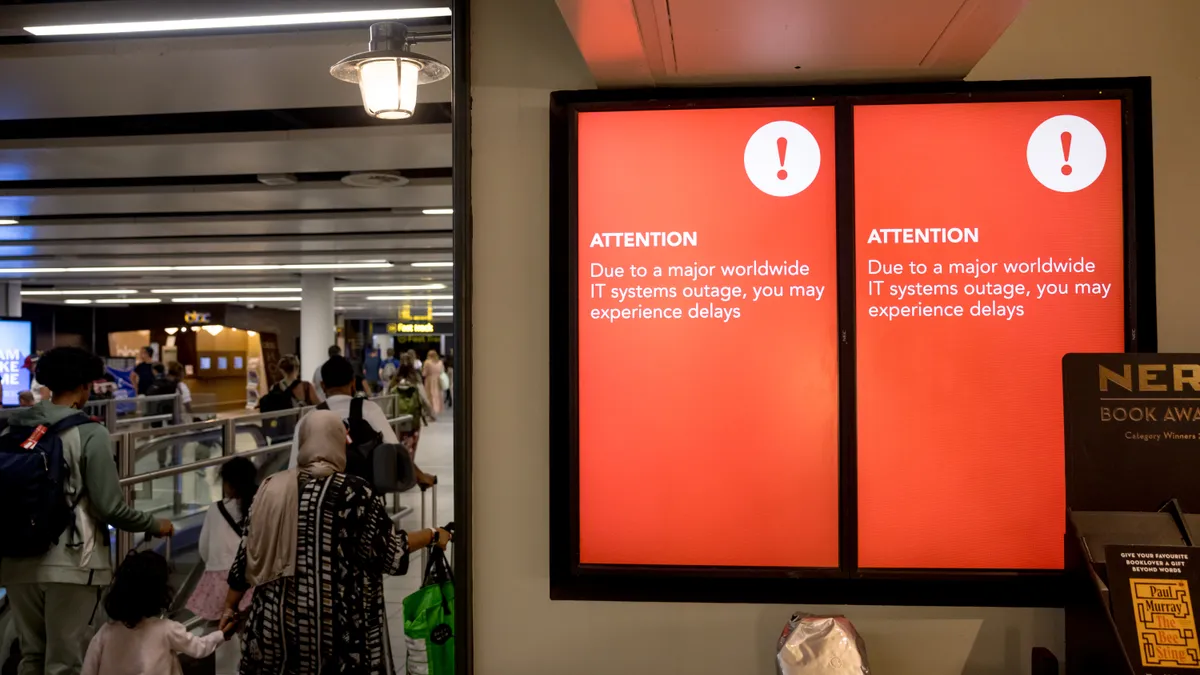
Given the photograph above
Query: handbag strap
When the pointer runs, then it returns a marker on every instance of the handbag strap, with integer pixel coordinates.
(228, 518)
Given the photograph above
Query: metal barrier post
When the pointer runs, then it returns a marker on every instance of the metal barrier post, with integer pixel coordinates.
(229, 436)
(177, 409)
(177, 484)
(125, 456)
(110, 415)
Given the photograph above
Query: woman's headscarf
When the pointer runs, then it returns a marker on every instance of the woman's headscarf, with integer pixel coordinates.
(274, 520)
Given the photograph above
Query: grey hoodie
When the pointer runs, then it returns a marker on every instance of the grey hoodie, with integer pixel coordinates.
(88, 452)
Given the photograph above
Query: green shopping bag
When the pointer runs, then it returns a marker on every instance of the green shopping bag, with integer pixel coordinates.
(429, 620)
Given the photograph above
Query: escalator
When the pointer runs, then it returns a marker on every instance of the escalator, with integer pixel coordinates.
(185, 500)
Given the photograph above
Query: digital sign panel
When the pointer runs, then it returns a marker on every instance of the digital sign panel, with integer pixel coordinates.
(806, 343)
(16, 344)
(707, 324)
(989, 242)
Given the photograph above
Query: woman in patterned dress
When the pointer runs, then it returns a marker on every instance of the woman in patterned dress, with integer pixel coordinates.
(316, 549)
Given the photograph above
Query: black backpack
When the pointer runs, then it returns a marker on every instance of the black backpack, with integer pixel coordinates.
(161, 387)
(280, 398)
(33, 479)
(387, 467)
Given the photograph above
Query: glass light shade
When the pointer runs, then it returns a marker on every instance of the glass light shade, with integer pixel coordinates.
(389, 87)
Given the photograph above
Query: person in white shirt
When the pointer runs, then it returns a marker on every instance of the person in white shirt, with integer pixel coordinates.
(317, 380)
(338, 375)
(220, 536)
(136, 641)
(175, 373)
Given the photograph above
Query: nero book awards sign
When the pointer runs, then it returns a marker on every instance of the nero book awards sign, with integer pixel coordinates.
(1132, 424)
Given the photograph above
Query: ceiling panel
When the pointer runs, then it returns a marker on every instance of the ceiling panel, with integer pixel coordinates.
(783, 41)
(351, 149)
(134, 76)
(173, 193)
(219, 199)
(291, 224)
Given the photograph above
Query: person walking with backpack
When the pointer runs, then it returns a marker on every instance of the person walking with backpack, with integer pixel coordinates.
(289, 393)
(58, 495)
(411, 400)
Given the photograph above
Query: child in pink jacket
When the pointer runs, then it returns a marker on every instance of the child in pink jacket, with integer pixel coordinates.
(137, 640)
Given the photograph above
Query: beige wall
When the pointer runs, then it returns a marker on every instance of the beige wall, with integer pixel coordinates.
(521, 51)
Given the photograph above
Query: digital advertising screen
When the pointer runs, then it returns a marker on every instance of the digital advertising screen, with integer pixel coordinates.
(707, 322)
(989, 242)
(16, 344)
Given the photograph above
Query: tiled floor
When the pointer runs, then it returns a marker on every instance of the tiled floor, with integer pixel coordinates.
(435, 456)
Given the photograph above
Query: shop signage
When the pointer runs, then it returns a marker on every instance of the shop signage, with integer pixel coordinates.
(401, 328)
(1132, 424)
(197, 318)
(406, 313)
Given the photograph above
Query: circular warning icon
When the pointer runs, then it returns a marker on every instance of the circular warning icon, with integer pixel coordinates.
(782, 158)
(1066, 153)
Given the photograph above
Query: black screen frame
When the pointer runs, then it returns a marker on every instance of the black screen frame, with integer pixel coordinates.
(847, 584)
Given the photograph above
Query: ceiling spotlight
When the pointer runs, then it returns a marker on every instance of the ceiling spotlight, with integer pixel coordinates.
(171, 330)
(213, 330)
(388, 73)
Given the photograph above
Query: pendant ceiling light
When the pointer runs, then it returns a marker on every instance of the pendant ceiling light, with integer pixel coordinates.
(388, 73)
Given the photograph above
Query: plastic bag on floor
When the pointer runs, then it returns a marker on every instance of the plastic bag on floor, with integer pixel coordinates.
(820, 645)
(429, 620)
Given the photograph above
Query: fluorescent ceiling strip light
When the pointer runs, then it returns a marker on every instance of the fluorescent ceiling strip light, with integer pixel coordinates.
(128, 301)
(410, 287)
(203, 299)
(410, 297)
(8, 221)
(77, 301)
(238, 22)
(184, 291)
(372, 264)
(84, 291)
(433, 264)
(438, 212)
(442, 314)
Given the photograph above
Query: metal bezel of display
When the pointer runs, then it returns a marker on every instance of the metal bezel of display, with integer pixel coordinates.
(847, 584)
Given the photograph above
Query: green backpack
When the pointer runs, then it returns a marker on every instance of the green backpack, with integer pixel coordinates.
(409, 401)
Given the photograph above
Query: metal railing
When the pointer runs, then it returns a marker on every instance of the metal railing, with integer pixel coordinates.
(127, 445)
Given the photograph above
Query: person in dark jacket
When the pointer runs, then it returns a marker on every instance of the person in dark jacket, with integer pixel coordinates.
(53, 596)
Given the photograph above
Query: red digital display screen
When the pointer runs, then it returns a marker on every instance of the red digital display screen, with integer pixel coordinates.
(988, 244)
(707, 323)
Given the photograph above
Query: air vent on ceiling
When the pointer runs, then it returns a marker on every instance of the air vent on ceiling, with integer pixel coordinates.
(374, 179)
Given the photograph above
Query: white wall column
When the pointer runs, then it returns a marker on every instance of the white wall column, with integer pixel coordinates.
(316, 322)
(10, 300)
